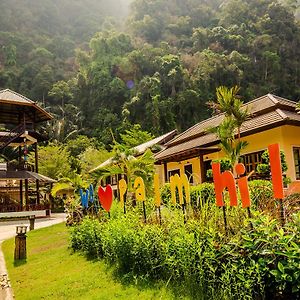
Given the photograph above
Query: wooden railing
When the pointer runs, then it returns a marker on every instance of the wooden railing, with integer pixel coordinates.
(15, 208)
(10, 136)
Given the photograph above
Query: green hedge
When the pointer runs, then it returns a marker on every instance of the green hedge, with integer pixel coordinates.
(201, 193)
(262, 263)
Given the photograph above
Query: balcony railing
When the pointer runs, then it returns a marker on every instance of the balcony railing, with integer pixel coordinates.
(10, 136)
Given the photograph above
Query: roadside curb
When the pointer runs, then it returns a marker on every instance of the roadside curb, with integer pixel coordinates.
(6, 292)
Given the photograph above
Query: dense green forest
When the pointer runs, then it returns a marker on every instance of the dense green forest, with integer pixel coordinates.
(101, 66)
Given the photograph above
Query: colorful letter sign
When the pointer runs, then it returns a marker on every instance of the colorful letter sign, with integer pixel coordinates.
(140, 193)
(180, 182)
(157, 199)
(222, 181)
(105, 197)
(226, 180)
(84, 196)
(276, 171)
(122, 190)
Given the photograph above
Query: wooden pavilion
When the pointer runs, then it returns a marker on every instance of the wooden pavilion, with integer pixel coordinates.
(19, 181)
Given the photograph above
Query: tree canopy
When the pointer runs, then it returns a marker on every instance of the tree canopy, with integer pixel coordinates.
(102, 66)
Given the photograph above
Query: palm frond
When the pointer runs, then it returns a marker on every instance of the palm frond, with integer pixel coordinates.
(60, 186)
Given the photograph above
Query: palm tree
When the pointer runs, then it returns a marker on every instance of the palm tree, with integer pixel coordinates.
(225, 100)
(74, 182)
(125, 163)
(240, 115)
(229, 103)
(225, 133)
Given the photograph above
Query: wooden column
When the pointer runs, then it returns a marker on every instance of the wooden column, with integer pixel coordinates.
(21, 194)
(26, 192)
(166, 172)
(37, 170)
(202, 171)
(20, 156)
(50, 195)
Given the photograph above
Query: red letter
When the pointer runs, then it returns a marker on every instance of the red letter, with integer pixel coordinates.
(222, 181)
(276, 172)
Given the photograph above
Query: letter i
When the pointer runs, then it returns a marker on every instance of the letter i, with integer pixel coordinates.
(243, 185)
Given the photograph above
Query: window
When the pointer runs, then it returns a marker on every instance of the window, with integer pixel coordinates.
(296, 151)
(173, 172)
(251, 160)
(114, 179)
(188, 171)
(206, 167)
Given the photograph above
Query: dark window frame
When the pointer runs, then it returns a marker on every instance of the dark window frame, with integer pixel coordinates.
(188, 173)
(173, 172)
(251, 160)
(296, 159)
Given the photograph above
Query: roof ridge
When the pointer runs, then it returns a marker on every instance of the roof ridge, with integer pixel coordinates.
(158, 138)
(272, 97)
(285, 99)
(20, 95)
(282, 114)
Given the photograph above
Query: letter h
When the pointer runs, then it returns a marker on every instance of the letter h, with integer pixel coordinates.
(222, 181)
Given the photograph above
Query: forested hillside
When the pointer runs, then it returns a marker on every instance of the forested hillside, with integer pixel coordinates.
(100, 66)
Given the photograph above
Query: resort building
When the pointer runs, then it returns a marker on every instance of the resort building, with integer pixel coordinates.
(272, 119)
(20, 181)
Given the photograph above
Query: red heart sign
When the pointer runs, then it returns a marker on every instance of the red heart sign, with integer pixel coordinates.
(105, 197)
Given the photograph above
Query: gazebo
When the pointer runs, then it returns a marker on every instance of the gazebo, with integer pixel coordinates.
(19, 116)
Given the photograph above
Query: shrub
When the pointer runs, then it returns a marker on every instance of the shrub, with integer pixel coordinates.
(204, 192)
(165, 193)
(264, 167)
(262, 263)
(261, 193)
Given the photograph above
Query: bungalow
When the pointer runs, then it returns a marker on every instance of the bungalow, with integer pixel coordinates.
(272, 120)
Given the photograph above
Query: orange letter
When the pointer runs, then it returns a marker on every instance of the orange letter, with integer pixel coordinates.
(222, 181)
(276, 172)
(243, 185)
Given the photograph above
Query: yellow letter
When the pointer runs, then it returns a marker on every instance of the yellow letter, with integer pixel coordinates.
(139, 185)
(157, 200)
(180, 183)
(122, 189)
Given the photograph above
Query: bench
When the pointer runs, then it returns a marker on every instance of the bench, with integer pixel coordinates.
(31, 219)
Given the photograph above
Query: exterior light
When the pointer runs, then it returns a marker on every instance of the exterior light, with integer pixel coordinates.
(21, 230)
(20, 243)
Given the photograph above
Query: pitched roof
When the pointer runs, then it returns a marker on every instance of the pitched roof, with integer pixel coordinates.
(10, 96)
(20, 175)
(257, 106)
(140, 149)
(161, 140)
(13, 103)
(265, 112)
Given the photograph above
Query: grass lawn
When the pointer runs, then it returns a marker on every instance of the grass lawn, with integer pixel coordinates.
(53, 271)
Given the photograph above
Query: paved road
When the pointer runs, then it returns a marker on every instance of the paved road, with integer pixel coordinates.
(8, 230)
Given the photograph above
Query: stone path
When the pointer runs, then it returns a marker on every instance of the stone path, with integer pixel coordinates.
(8, 230)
